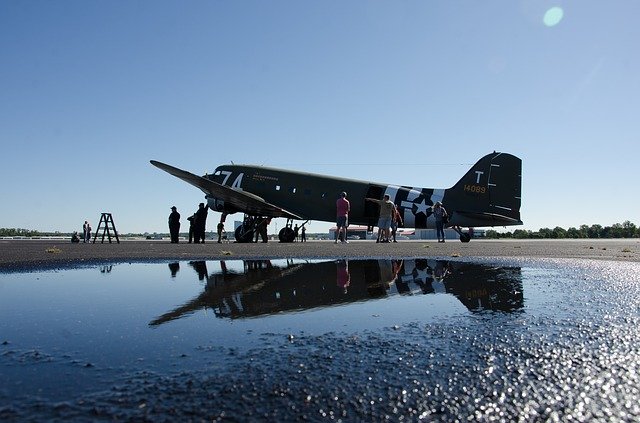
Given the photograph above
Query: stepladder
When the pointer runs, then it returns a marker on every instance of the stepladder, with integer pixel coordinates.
(108, 228)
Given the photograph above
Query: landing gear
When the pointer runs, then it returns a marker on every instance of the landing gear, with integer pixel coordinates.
(464, 237)
(288, 233)
(244, 233)
(252, 228)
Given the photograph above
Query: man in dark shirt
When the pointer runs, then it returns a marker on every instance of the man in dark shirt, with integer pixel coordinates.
(174, 224)
(201, 222)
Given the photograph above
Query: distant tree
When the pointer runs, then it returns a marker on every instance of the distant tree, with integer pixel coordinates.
(491, 234)
(584, 231)
(545, 233)
(613, 231)
(629, 229)
(521, 234)
(595, 231)
(558, 233)
(574, 233)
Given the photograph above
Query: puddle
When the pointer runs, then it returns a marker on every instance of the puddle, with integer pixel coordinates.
(85, 336)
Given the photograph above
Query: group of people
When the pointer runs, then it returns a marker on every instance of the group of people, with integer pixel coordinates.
(86, 233)
(388, 221)
(197, 225)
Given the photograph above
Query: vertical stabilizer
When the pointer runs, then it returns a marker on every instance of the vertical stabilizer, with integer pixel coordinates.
(491, 187)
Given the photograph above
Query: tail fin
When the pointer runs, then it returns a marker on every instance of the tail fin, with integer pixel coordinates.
(490, 189)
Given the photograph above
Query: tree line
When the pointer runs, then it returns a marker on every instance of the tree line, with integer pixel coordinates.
(626, 229)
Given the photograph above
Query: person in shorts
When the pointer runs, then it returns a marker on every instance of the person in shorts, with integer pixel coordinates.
(386, 215)
(342, 217)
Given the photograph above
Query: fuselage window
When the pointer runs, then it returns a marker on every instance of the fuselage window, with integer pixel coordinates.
(324, 195)
(277, 187)
(293, 190)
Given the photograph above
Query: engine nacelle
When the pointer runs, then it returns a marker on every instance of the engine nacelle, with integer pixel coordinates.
(218, 205)
(215, 204)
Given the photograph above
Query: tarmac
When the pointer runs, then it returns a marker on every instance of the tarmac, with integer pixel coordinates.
(41, 254)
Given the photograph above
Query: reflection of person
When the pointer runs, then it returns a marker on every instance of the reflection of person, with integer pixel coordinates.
(439, 214)
(201, 268)
(384, 220)
(174, 224)
(441, 269)
(342, 275)
(201, 223)
(174, 268)
(342, 217)
(401, 286)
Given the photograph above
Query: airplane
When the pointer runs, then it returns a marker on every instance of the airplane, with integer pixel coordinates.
(487, 195)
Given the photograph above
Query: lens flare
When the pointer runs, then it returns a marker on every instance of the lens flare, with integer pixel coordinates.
(553, 16)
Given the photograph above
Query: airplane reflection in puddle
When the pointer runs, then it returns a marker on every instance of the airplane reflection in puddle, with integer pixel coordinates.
(266, 287)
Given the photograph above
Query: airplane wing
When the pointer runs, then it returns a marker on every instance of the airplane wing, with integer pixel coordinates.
(241, 200)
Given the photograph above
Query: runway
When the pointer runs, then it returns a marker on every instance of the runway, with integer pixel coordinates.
(21, 255)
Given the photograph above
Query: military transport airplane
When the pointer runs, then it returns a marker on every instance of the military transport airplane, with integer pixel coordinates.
(487, 195)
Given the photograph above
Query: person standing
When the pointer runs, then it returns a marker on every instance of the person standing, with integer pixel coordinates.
(262, 230)
(201, 223)
(440, 215)
(86, 232)
(220, 229)
(174, 225)
(396, 220)
(384, 220)
(303, 234)
(342, 217)
(192, 224)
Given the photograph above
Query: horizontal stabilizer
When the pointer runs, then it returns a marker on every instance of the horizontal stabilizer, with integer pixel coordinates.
(462, 218)
(243, 201)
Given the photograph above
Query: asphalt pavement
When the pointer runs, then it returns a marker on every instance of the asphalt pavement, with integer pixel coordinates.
(25, 255)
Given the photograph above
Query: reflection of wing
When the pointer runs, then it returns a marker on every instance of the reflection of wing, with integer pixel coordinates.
(242, 200)
(229, 285)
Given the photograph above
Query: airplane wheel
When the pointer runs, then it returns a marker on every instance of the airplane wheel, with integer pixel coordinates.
(242, 235)
(465, 237)
(286, 235)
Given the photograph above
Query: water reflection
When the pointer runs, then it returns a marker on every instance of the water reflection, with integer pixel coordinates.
(174, 268)
(264, 287)
(106, 268)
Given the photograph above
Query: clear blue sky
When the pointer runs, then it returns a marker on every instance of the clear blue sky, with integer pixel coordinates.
(404, 92)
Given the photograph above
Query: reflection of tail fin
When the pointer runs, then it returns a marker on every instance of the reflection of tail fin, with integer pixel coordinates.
(490, 190)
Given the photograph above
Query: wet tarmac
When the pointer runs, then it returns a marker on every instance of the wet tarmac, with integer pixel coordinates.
(493, 339)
